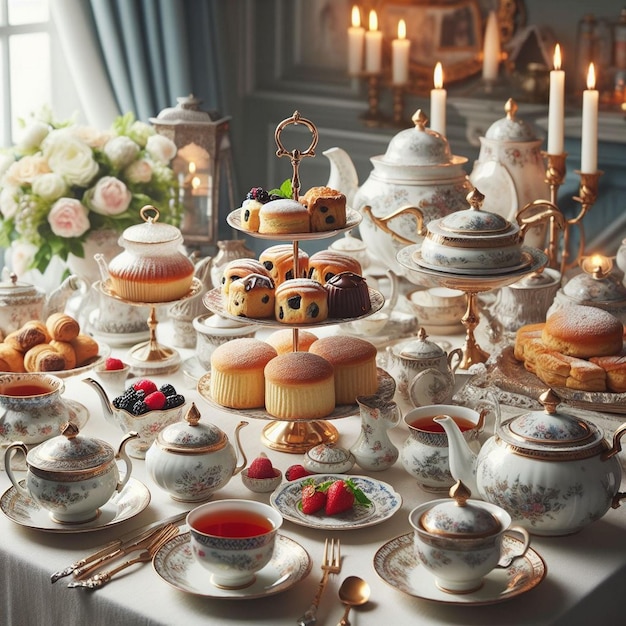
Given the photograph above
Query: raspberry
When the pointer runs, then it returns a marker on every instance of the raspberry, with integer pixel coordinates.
(296, 471)
(145, 385)
(168, 389)
(112, 363)
(155, 401)
(261, 467)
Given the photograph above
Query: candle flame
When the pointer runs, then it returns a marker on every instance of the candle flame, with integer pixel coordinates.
(373, 20)
(192, 167)
(557, 57)
(438, 76)
(356, 16)
(591, 77)
(401, 29)
(195, 182)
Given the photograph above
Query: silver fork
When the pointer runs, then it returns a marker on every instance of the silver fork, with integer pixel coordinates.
(102, 578)
(331, 564)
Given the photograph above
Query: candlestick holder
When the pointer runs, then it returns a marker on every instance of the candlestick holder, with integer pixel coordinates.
(555, 176)
(374, 117)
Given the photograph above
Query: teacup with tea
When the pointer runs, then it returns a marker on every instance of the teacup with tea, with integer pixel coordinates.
(233, 539)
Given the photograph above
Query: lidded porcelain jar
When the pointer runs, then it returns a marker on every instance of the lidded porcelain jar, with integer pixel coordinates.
(191, 460)
(70, 475)
(153, 266)
(328, 458)
(510, 169)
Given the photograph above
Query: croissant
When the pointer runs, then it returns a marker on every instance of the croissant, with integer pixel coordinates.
(66, 349)
(62, 327)
(11, 360)
(86, 349)
(43, 358)
(25, 338)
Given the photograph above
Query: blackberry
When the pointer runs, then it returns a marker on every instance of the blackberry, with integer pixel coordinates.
(275, 196)
(258, 193)
(167, 390)
(122, 402)
(140, 407)
(174, 401)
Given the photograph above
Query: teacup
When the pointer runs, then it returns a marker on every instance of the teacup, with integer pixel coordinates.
(460, 541)
(233, 539)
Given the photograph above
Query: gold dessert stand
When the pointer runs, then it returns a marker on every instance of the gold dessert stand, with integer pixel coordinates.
(471, 285)
(151, 358)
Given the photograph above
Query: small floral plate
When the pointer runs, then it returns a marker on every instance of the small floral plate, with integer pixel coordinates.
(384, 503)
(176, 565)
(397, 564)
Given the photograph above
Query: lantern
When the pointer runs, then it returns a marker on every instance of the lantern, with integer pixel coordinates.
(203, 165)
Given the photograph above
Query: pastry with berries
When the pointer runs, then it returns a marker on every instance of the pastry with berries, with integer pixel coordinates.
(250, 207)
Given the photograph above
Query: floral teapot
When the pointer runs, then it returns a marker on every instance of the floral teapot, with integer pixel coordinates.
(418, 170)
(552, 472)
(423, 372)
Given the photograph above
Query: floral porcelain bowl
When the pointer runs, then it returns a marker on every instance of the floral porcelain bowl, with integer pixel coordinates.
(71, 476)
(459, 540)
(327, 458)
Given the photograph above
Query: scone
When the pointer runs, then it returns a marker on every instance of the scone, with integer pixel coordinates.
(278, 261)
(251, 296)
(238, 268)
(354, 362)
(325, 264)
(237, 368)
(299, 385)
(283, 216)
(326, 207)
(301, 301)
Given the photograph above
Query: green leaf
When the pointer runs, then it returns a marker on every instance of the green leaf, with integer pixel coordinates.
(359, 496)
(284, 191)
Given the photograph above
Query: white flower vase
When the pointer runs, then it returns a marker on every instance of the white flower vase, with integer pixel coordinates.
(104, 242)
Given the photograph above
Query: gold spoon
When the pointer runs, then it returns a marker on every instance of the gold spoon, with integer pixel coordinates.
(354, 591)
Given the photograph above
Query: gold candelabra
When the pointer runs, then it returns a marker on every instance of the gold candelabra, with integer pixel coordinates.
(373, 116)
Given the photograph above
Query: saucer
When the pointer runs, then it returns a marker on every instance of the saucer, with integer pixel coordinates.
(131, 501)
(397, 564)
(385, 502)
(527, 259)
(176, 565)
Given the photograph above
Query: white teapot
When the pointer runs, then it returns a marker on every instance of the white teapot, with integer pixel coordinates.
(417, 170)
(552, 472)
(191, 460)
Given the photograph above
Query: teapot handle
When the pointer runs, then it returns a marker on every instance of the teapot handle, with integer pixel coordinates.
(381, 222)
(123, 456)
(15, 447)
(244, 459)
(458, 352)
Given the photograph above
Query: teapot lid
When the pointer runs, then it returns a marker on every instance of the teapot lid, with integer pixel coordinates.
(548, 433)
(70, 453)
(589, 288)
(541, 278)
(421, 348)
(460, 517)
(151, 232)
(13, 287)
(326, 457)
(473, 222)
(510, 128)
(418, 145)
(191, 437)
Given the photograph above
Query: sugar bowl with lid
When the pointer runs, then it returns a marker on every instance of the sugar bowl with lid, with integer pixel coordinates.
(191, 460)
(459, 540)
(70, 475)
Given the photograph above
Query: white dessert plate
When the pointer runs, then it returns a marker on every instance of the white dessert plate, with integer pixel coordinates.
(122, 506)
(397, 564)
(353, 219)
(176, 565)
(385, 502)
(386, 389)
(472, 271)
(213, 301)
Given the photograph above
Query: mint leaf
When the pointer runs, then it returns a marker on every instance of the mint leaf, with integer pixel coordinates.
(359, 496)
(284, 191)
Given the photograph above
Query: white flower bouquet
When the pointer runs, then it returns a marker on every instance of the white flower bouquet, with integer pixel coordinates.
(62, 181)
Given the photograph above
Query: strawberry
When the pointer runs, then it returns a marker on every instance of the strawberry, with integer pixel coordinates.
(145, 385)
(313, 499)
(112, 363)
(339, 498)
(296, 471)
(155, 401)
(261, 467)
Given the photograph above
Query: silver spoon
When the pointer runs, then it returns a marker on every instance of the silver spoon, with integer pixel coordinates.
(354, 591)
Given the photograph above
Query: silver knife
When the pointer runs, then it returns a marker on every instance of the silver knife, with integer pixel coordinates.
(123, 542)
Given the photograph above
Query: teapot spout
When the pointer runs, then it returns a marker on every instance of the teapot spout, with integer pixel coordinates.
(102, 265)
(107, 409)
(57, 300)
(343, 175)
(462, 458)
(240, 452)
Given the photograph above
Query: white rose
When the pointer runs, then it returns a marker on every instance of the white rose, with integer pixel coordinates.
(139, 171)
(49, 186)
(69, 157)
(110, 196)
(26, 170)
(6, 160)
(68, 218)
(8, 202)
(141, 132)
(161, 148)
(121, 151)
(22, 255)
(93, 137)
(32, 136)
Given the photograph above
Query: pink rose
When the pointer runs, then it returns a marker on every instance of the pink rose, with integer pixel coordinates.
(110, 196)
(68, 218)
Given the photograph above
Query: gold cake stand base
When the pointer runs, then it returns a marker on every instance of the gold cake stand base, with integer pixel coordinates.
(298, 437)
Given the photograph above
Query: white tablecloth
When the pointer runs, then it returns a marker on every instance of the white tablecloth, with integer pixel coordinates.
(586, 572)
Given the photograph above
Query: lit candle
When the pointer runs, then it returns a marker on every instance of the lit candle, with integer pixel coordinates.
(373, 45)
(400, 48)
(438, 102)
(556, 114)
(356, 36)
(589, 144)
(491, 48)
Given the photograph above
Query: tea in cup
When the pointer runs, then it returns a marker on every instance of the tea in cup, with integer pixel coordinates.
(233, 539)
